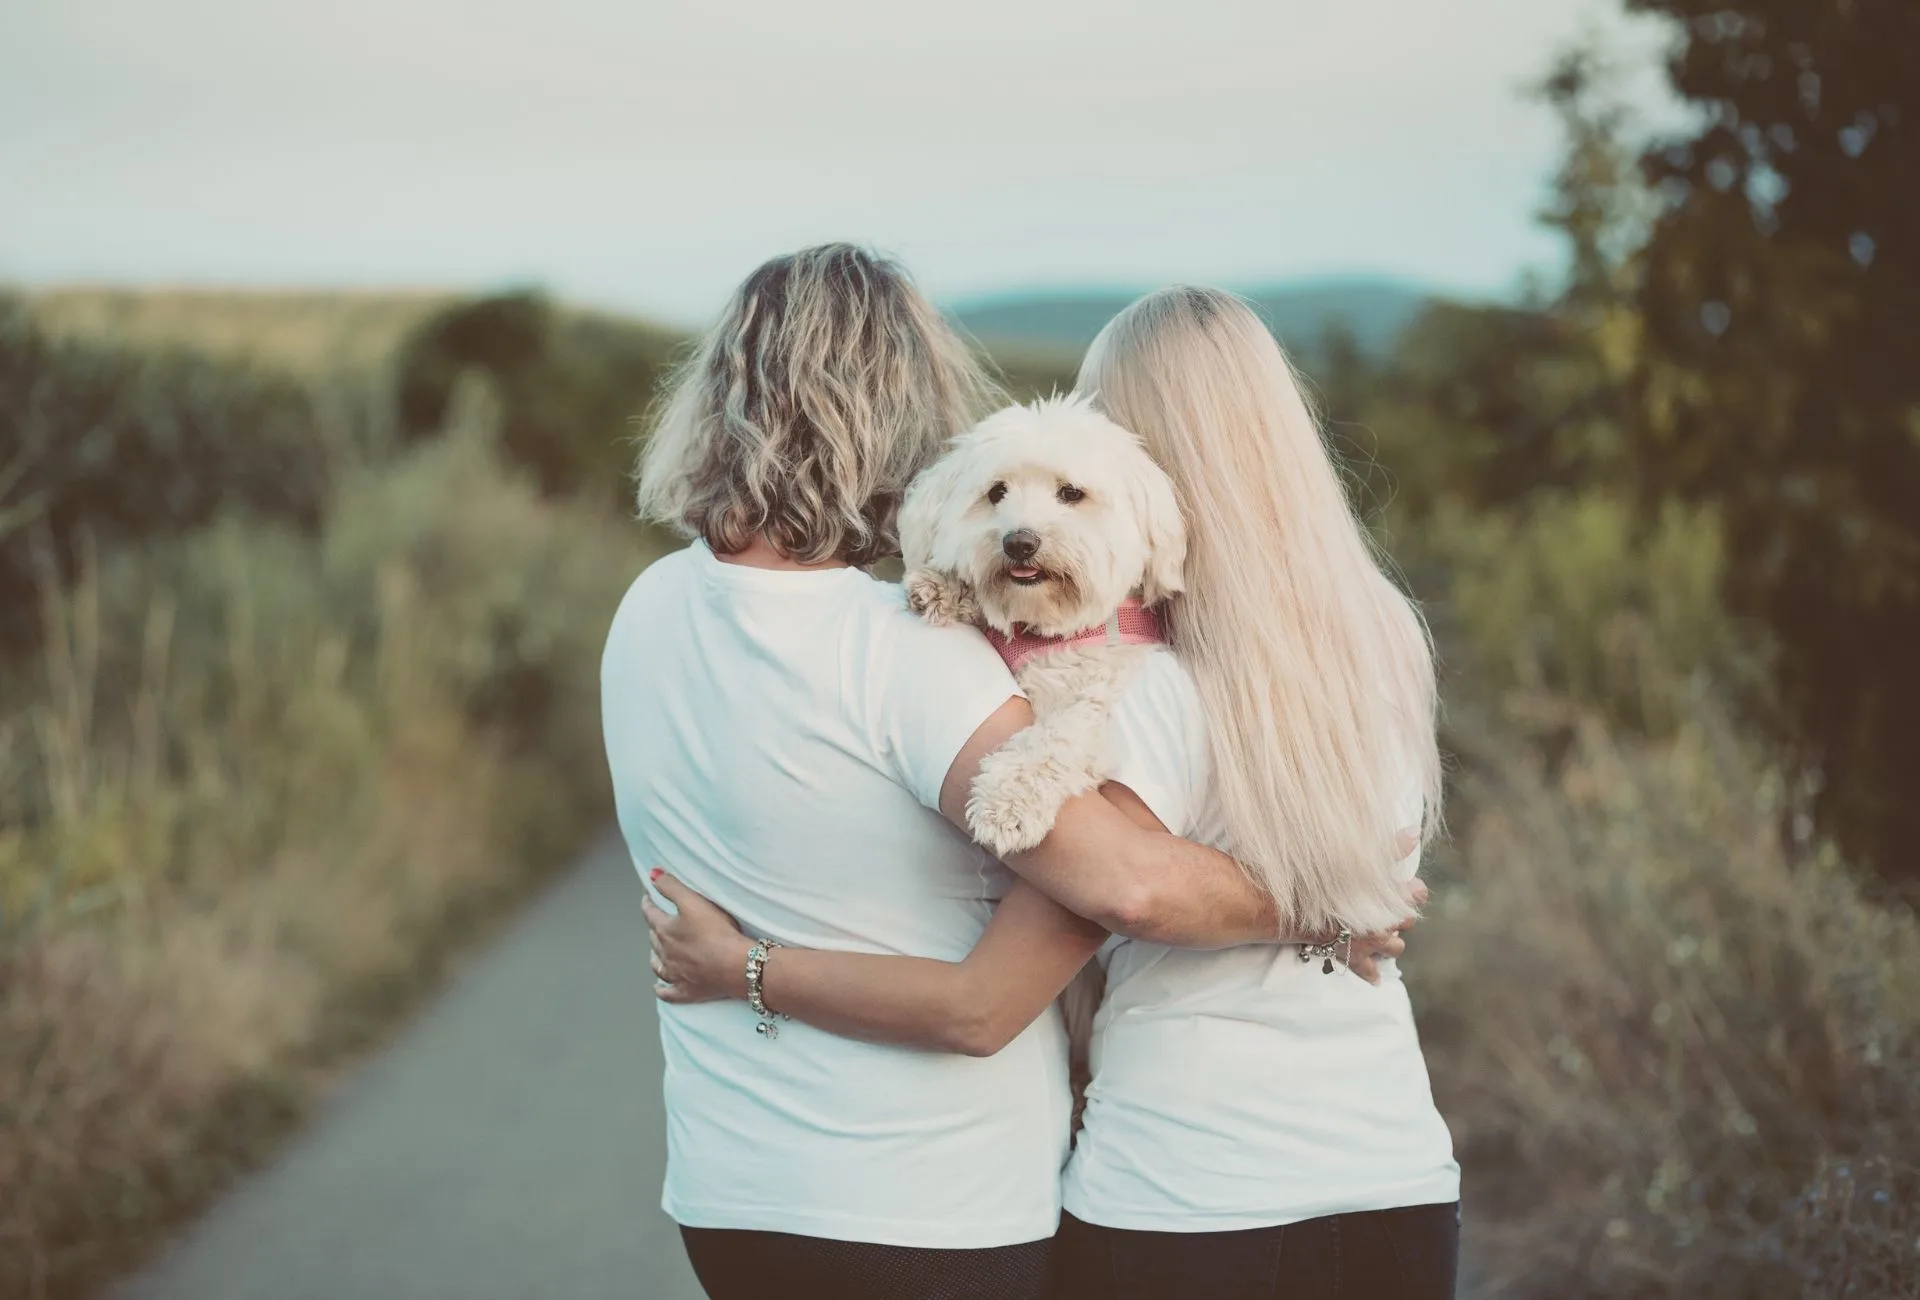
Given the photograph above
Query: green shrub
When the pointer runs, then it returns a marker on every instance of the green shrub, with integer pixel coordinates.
(1577, 594)
(572, 385)
(255, 783)
(106, 447)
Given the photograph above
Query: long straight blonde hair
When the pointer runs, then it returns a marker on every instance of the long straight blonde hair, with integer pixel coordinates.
(1316, 673)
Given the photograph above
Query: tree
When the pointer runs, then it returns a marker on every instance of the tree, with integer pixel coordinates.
(1489, 404)
(1780, 293)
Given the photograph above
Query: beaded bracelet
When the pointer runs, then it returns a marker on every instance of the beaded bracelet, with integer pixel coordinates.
(769, 1026)
(1325, 952)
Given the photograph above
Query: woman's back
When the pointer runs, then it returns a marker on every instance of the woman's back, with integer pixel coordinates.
(778, 740)
(1242, 1088)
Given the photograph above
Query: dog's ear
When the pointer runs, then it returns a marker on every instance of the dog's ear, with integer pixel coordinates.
(920, 513)
(1165, 530)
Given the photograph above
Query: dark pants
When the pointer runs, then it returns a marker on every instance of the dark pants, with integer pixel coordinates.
(1405, 1254)
(735, 1265)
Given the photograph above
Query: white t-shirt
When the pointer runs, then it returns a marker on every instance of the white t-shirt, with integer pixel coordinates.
(778, 741)
(1242, 1088)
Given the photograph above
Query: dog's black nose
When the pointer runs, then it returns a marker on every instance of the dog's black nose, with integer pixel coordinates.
(1020, 544)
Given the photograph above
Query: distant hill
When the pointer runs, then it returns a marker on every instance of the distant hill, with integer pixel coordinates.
(1375, 309)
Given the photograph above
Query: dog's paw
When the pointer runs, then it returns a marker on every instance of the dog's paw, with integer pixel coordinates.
(1019, 792)
(939, 599)
(1006, 825)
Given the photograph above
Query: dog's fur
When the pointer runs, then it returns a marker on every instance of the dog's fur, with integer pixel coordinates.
(1018, 472)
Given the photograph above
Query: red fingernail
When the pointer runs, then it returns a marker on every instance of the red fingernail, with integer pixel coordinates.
(656, 874)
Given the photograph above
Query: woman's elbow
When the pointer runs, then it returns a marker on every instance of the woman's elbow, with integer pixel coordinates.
(979, 1045)
(984, 1040)
(983, 1033)
(1138, 908)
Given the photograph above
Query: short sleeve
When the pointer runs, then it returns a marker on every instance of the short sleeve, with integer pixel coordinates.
(935, 686)
(1157, 742)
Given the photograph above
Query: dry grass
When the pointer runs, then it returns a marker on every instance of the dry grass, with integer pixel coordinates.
(1678, 1044)
(1677, 1039)
(262, 783)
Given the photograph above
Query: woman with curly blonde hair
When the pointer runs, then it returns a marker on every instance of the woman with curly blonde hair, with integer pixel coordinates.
(785, 737)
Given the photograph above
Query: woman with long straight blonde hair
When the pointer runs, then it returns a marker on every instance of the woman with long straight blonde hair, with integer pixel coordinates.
(1256, 1124)
(1299, 1149)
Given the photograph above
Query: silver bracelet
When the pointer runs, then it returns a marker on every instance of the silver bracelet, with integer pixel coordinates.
(1324, 953)
(769, 1026)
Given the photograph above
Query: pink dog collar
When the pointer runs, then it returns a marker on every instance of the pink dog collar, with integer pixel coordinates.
(1131, 624)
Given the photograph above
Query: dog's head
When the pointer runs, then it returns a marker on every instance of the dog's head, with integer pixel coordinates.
(1052, 513)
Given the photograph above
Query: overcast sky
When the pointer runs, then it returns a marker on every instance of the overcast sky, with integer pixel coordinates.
(647, 155)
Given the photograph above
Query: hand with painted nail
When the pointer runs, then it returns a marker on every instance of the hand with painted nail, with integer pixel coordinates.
(699, 954)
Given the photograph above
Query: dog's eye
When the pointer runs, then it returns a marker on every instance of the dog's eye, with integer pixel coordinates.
(996, 492)
(1070, 494)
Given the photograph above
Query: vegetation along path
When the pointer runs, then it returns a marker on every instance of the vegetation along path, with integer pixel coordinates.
(509, 1145)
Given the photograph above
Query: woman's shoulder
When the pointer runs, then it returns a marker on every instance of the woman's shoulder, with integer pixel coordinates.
(1157, 741)
(1162, 681)
(912, 654)
(884, 605)
(636, 620)
(653, 583)
(1160, 708)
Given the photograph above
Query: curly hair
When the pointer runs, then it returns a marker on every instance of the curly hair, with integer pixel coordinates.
(828, 383)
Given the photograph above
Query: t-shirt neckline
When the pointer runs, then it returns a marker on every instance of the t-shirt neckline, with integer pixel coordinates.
(748, 575)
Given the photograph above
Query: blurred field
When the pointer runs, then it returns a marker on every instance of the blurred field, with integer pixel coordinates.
(306, 333)
(296, 701)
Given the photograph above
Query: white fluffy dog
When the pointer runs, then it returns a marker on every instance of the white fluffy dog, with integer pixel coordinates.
(1051, 526)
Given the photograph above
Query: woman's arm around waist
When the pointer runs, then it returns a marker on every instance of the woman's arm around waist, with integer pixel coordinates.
(1029, 951)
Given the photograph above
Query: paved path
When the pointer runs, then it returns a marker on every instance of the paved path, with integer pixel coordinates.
(507, 1147)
